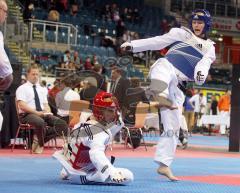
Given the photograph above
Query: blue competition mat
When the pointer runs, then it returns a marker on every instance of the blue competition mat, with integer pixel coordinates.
(41, 175)
(218, 141)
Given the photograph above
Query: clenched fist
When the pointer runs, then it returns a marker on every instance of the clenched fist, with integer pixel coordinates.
(126, 47)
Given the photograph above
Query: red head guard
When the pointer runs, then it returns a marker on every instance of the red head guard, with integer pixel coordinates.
(104, 101)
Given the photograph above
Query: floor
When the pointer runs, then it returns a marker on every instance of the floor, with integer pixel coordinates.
(205, 166)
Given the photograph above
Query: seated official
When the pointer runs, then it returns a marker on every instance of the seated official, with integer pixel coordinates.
(64, 98)
(34, 110)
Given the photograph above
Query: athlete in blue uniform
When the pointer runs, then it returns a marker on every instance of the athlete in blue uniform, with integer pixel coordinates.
(188, 59)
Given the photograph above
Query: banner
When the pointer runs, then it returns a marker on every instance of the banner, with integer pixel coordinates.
(208, 93)
(226, 24)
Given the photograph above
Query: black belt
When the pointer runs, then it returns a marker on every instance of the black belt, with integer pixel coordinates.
(182, 86)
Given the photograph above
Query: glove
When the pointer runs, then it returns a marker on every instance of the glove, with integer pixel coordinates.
(117, 177)
(127, 47)
(199, 78)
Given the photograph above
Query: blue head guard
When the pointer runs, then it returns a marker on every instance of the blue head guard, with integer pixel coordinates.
(203, 15)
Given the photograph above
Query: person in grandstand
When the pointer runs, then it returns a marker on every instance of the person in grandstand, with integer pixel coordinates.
(83, 158)
(189, 58)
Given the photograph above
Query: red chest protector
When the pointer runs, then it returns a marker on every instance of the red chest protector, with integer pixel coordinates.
(80, 158)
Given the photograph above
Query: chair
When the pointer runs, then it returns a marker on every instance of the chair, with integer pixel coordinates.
(25, 127)
(76, 107)
(141, 113)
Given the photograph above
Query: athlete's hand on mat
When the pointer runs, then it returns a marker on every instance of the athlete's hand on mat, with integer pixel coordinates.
(126, 47)
(118, 177)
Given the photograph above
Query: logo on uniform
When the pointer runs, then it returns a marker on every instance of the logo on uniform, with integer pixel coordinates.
(195, 17)
(199, 46)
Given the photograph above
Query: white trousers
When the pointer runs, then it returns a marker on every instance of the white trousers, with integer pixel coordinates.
(184, 123)
(164, 71)
(80, 177)
(95, 178)
(223, 126)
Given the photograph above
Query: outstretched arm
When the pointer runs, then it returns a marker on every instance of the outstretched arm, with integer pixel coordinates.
(155, 43)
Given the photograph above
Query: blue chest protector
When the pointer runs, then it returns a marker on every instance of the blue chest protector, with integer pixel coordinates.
(184, 57)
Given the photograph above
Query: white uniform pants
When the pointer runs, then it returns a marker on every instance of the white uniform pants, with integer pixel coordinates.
(171, 119)
(184, 123)
(223, 126)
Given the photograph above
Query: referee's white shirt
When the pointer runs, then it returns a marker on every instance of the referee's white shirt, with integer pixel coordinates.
(5, 66)
(25, 93)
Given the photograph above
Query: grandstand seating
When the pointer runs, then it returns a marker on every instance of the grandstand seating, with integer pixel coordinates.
(90, 45)
(86, 16)
(49, 59)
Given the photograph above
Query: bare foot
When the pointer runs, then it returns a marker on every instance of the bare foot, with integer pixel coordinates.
(166, 171)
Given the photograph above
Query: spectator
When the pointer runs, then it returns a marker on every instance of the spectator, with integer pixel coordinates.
(62, 5)
(164, 26)
(213, 110)
(119, 88)
(199, 102)
(53, 15)
(224, 108)
(120, 28)
(188, 111)
(74, 9)
(88, 64)
(64, 98)
(106, 13)
(129, 15)
(94, 60)
(126, 36)
(116, 16)
(66, 60)
(101, 79)
(214, 106)
(28, 12)
(76, 61)
(124, 15)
